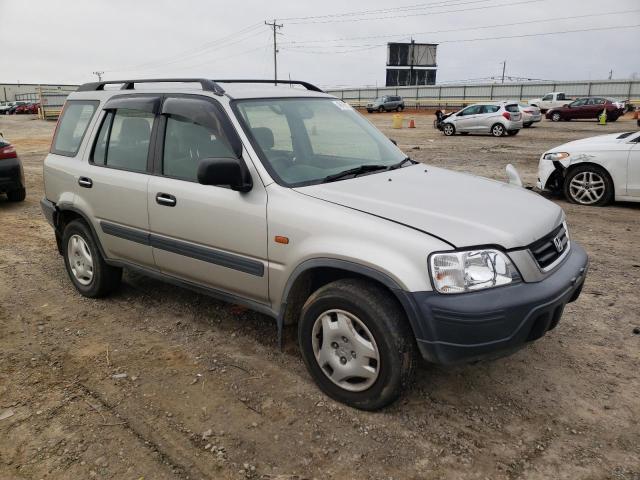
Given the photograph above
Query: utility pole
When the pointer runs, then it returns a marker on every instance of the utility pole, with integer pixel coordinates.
(610, 74)
(99, 75)
(504, 66)
(275, 26)
(413, 60)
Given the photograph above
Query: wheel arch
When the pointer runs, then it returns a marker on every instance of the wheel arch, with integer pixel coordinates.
(575, 165)
(63, 215)
(312, 274)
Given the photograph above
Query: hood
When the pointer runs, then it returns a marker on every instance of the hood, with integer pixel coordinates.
(464, 210)
(595, 142)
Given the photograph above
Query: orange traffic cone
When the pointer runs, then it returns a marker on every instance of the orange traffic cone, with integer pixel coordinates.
(412, 123)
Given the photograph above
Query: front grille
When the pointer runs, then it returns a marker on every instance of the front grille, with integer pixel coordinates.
(550, 247)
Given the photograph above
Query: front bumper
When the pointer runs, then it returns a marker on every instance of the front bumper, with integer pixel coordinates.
(472, 326)
(11, 175)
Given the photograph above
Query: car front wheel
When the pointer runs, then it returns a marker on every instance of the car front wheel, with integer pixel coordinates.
(86, 267)
(380, 109)
(556, 117)
(588, 185)
(356, 343)
(448, 129)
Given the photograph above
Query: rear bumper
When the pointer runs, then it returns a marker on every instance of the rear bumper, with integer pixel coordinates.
(490, 323)
(11, 175)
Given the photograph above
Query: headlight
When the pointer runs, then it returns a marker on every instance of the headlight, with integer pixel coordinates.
(555, 156)
(458, 272)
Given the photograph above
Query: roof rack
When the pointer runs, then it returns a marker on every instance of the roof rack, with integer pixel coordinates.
(307, 85)
(207, 85)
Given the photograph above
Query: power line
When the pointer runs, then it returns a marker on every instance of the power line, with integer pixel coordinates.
(509, 4)
(430, 32)
(560, 32)
(417, 6)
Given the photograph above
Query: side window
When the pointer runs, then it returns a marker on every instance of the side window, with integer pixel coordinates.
(561, 96)
(123, 140)
(472, 110)
(579, 103)
(490, 108)
(72, 127)
(547, 98)
(186, 143)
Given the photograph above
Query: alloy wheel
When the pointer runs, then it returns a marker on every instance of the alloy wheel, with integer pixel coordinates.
(587, 188)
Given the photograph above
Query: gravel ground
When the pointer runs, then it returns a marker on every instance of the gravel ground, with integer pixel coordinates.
(156, 382)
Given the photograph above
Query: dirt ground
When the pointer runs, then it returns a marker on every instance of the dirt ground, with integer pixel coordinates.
(208, 394)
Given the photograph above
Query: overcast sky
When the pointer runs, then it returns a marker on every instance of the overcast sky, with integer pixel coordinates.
(46, 41)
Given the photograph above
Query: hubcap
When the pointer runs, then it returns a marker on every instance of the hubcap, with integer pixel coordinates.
(345, 350)
(587, 187)
(498, 131)
(556, 117)
(80, 259)
(448, 129)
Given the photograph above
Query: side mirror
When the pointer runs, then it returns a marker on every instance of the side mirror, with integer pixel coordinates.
(227, 172)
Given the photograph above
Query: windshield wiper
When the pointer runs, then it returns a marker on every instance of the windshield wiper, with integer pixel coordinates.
(354, 172)
(401, 163)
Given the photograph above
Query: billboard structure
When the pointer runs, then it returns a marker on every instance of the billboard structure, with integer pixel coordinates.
(411, 64)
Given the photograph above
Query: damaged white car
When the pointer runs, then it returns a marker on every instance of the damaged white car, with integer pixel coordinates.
(594, 171)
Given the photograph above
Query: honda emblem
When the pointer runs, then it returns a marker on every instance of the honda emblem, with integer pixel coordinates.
(558, 243)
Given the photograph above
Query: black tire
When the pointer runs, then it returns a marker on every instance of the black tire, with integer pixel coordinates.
(498, 130)
(401, 108)
(448, 129)
(512, 133)
(105, 278)
(369, 111)
(613, 118)
(556, 117)
(527, 125)
(17, 195)
(572, 196)
(383, 317)
(381, 109)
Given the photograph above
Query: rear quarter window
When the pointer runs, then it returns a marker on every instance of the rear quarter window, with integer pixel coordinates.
(73, 124)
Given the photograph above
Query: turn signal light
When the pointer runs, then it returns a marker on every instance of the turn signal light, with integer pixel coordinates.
(282, 240)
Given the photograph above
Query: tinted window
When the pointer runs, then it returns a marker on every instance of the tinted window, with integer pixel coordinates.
(472, 110)
(513, 108)
(549, 97)
(72, 127)
(123, 140)
(186, 143)
(579, 102)
(490, 108)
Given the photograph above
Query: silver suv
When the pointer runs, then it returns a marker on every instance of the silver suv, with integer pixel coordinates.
(497, 119)
(386, 104)
(290, 202)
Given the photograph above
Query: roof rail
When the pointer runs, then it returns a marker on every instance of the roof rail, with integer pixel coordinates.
(307, 85)
(207, 85)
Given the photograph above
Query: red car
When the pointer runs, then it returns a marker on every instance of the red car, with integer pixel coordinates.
(587, 107)
(27, 108)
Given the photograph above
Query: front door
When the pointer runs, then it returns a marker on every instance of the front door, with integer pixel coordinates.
(633, 171)
(204, 234)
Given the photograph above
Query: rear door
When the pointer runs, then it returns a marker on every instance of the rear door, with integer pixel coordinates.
(205, 234)
(112, 185)
(594, 107)
(488, 118)
(633, 170)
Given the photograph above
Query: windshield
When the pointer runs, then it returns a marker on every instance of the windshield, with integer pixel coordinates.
(303, 141)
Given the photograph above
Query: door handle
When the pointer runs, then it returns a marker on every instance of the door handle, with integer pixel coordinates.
(85, 182)
(166, 200)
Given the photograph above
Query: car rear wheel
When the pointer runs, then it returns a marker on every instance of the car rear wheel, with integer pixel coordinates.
(556, 117)
(86, 267)
(17, 195)
(448, 129)
(356, 343)
(400, 108)
(498, 130)
(588, 185)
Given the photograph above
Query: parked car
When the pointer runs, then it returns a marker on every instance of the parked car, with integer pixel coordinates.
(587, 107)
(551, 100)
(16, 105)
(25, 108)
(291, 203)
(4, 106)
(594, 171)
(8, 107)
(530, 114)
(495, 118)
(386, 104)
(11, 172)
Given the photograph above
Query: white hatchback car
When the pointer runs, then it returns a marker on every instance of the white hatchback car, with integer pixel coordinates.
(595, 170)
(495, 118)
